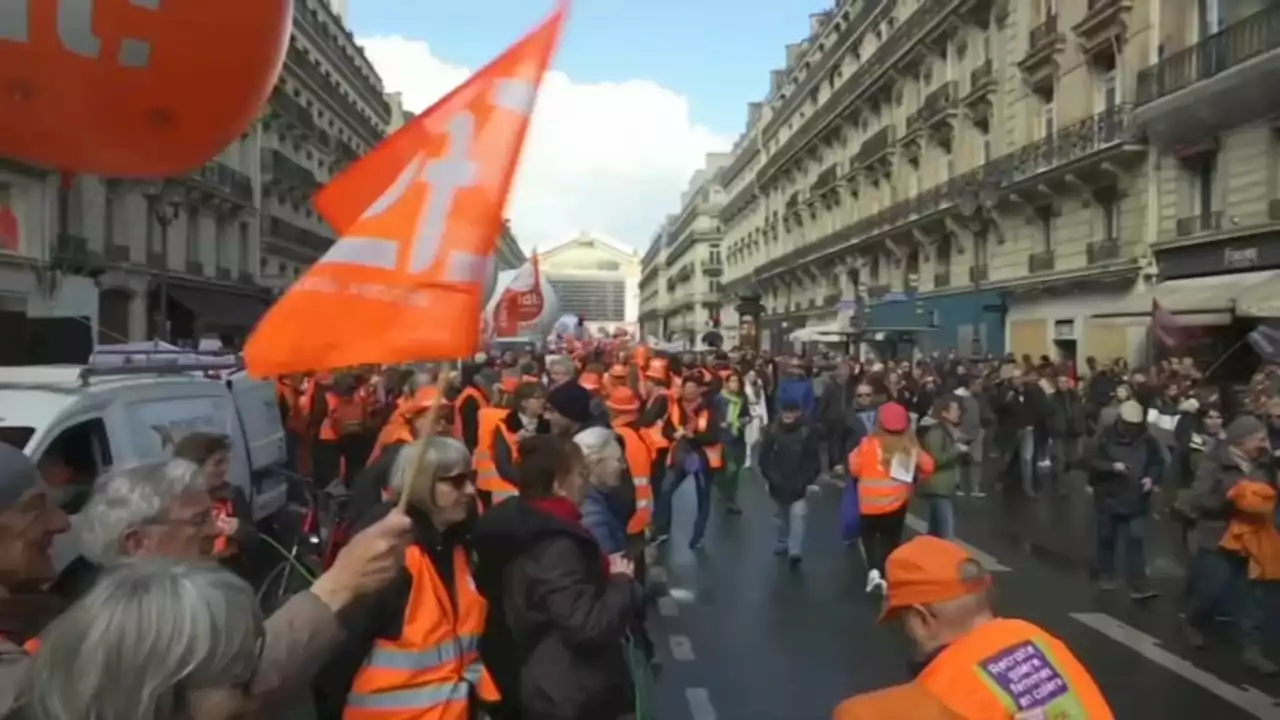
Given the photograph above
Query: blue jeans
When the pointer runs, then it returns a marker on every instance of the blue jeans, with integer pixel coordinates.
(942, 517)
(790, 519)
(702, 489)
(1220, 582)
(1131, 532)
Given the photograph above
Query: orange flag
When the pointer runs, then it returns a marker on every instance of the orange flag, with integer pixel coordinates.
(418, 220)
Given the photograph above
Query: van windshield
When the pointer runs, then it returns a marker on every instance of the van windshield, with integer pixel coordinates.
(16, 436)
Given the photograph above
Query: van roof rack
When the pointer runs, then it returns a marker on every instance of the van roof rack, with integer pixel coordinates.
(131, 361)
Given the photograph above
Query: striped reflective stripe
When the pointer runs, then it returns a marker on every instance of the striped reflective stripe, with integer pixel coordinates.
(882, 493)
(386, 658)
(640, 481)
(642, 504)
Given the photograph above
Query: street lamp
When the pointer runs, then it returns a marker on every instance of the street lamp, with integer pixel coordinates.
(166, 213)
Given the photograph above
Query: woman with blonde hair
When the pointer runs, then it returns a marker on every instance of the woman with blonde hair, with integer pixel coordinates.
(884, 467)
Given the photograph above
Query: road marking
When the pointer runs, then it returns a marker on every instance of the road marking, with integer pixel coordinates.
(682, 595)
(1251, 700)
(667, 606)
(681, 648)
(988, 561)
(700, 707)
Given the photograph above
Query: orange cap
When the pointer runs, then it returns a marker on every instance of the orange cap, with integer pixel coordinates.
(509, 383)
(659, 369)
(589, 380)
(927, 570)
(622, 399)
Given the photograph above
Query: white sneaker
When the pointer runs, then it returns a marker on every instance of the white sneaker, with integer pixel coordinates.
(874, 580)
(882, 586)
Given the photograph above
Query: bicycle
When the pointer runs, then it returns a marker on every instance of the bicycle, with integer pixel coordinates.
(311, 526)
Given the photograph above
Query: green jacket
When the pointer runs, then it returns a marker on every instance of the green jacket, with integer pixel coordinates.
(949, 459)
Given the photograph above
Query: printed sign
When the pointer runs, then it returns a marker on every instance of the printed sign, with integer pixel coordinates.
(1026, 676)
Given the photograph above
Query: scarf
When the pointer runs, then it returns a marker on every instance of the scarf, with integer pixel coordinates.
(563, 509)
(733, 411)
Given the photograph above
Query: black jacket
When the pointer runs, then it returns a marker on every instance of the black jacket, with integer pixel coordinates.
(557, 619)
(789, 460)
(503, 453)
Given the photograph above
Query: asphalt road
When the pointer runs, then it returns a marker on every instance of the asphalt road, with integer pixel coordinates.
(745, 637)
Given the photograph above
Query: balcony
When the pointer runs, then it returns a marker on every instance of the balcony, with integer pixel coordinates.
(942, 278)
(290, 109)
(117, 253)
(911, 141)
(712, 268)
(282, 173)
(1204, 223)
(195, 267)
(938, 112)
(327, 85)
(1078, 150)
(982, 85)
(875, 152)
(1100, 252)
(825, 183)
(1103, 28)
(1213, 85)
(71, 253)
(224, 182)
(312, 243)
(979, 273)
(1040, 64)
(1040, 262)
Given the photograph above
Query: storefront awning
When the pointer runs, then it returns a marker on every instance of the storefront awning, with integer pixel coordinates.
(1241, 293)
(217, 310)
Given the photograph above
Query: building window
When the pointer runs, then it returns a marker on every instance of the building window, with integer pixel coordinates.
(1109, 202)
(713, 255)
(984, 149)
(873, 267)
(1045, 216)
(1210, 17)
(1048, 120)
(1109, 90)
(1206, 178)
(246, 264)
(942, 253)
(193, 237)
(980, 248)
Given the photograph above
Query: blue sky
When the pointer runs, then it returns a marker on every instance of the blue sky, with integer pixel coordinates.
(716, 53)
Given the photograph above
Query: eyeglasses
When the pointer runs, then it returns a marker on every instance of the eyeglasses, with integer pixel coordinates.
(460, 481)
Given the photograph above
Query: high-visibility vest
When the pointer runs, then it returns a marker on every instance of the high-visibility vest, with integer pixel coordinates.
(1008, 668)
(492, 424)
(345, 415)
(481, 401)
(296, 422)
(714, 452)
(431, 671)
(653, 434)
(878, 493)
(640, 464)
(397, 430)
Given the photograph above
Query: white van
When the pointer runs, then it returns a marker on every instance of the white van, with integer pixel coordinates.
(92, 419)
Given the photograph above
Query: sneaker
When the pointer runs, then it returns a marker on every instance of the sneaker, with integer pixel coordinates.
(1107, 584)
(780, 550)
(733, 509)
(793, 561)
(977, 494)
(882, 586)
(1253, 659)
(695, 544)
(1191, 634)
(1143, 595)
(873, 580)
(660, 538)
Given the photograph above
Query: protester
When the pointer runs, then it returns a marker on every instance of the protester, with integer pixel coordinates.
(790, 464)
(559, 607)
(692, 428)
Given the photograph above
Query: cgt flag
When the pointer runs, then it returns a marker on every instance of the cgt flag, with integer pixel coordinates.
(418, 220)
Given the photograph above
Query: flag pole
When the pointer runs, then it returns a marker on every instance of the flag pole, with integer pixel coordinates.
(1227, 354)
(433, 420)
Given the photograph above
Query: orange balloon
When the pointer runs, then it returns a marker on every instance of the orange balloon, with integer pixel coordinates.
(134, 88)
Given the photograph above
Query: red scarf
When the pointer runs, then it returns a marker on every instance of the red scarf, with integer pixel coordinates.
(562, 508)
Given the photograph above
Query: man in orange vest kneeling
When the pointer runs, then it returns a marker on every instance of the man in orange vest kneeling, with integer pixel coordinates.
(975, 666)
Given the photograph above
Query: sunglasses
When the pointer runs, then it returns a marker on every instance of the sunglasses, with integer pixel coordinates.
(459, 481)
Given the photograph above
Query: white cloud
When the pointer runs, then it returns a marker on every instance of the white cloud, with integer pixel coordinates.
(610, 158)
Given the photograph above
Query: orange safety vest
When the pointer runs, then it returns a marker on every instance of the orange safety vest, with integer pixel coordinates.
(640, 465)
(397, 430)
(296, 422)
(432, 669)
(714, 452)
(487, 477)
(483, 402)
(346, 415)
(1007, 669)
(878, 493)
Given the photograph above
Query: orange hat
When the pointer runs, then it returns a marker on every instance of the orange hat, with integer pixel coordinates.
(927, 570)
(622, 399)
(509, 383)
(590, 380)
(658, 369)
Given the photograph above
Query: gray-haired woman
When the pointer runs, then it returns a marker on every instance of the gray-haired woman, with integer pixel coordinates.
(155, 639)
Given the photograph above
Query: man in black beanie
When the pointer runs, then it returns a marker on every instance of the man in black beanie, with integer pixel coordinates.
(568, 409)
